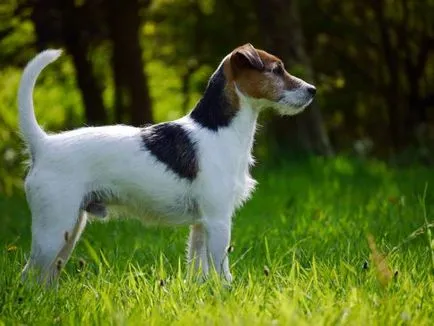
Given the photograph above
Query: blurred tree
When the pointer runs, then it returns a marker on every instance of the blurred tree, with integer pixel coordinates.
(178, 40)
(64, 23)
(192, 34)
(81, 26)
(282, 34)
(371, 61)
(375, 60)
(406, 37)
(131, 83)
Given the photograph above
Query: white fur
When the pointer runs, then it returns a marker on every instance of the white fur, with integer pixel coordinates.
(111, 160)
(30, 130)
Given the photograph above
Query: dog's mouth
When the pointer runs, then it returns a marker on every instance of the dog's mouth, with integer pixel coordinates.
(293, 102)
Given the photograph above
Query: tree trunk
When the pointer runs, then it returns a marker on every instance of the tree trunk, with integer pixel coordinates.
(279, 21)
(71, 33)
(393, 91)
(132, 91)
(90, 91)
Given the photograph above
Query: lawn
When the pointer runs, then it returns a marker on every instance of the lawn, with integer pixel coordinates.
(301, 256)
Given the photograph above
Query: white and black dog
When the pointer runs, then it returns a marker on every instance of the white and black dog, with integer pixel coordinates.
(194, 170)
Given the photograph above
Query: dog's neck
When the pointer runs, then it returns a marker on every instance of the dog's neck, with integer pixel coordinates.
(244, 123)
(223, 108)
(214, 110)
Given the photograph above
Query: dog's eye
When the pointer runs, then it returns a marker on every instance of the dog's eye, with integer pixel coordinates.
(278, 70)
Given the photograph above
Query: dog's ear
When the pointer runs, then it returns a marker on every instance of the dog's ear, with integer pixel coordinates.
(244, 57)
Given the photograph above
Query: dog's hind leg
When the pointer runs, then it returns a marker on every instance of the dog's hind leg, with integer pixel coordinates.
(196, 250)
(57, 223)
(70, 241)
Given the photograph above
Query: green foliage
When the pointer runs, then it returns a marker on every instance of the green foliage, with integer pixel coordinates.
(372, 61)
(9, 142)
(301, 257)
(165, 90)
(15, 35)
(374, 64)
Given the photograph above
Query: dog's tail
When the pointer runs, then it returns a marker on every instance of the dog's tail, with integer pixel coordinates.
(31, 131)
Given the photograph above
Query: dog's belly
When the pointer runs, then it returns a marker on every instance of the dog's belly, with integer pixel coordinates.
(159, 215)
(180, 210)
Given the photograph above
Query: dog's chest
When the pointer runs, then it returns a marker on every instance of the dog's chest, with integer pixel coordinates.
(225, 169)
(244, 184)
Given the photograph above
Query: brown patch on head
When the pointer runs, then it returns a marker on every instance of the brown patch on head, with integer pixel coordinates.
(257, 74)
(246, 57)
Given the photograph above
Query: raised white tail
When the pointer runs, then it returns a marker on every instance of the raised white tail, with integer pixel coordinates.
(29, 127)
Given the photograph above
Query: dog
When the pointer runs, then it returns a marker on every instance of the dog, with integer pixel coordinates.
(191, 171)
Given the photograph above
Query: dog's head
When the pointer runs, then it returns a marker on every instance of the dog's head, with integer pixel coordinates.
(262, 80)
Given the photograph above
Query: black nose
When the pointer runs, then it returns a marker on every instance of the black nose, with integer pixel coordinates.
(311, 90)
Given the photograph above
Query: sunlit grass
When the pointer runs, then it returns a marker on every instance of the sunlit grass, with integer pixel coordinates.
(301, 256)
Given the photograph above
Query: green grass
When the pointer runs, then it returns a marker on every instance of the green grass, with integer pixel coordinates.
(301, 257)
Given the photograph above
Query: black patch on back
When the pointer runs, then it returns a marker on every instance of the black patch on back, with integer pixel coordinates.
(170, 143)
(213, 110)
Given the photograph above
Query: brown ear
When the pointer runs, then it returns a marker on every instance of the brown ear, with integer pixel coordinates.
(246, 56)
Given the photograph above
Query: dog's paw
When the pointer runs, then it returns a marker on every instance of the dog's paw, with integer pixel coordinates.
(228, 277)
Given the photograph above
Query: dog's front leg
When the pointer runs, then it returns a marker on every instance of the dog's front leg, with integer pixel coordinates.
(218, 232)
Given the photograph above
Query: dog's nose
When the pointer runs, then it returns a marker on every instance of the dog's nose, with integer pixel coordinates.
(311, 90)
